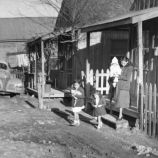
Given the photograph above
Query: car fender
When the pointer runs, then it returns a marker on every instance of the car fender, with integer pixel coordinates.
(1, 85)
(12, 85)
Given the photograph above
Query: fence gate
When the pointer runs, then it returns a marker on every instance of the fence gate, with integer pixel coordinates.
(100, 79)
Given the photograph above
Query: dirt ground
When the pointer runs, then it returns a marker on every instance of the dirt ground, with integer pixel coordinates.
(27, 132)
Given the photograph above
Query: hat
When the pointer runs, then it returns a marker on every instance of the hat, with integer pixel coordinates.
(114, 60)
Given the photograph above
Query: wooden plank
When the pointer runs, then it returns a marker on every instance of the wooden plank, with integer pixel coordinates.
(146, 16)
(148, 3)
(117, 124)
(150, 108)
(146, 108)
(102, 80)
(155, 111)
(97, 79)
(55, 94)
(128, 111)
(140, 51)
(43, 73)
(142, 109)
(154, 3)
(144, 4)
(35, 75)
(140, 64)
(107, 24)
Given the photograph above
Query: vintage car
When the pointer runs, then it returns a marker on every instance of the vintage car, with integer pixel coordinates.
(9, 84)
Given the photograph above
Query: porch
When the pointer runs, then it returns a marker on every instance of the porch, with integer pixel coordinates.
(142, 51)
(43, 61)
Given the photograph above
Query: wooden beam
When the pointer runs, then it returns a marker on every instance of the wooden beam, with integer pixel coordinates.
(42, 58)
(43, 76)
(106, 24)
(140, 51)
(140, 82)
(88, 45)
(145, 16)
(36, 66)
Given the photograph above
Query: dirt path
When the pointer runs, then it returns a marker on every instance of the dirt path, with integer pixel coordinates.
(26, 132)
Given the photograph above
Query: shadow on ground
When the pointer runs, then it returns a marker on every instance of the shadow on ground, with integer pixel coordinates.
(30, 104)
(62, 114)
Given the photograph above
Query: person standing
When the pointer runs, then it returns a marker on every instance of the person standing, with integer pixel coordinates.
(98, 103)
(77, 93)
(115, 71)
(123, 86)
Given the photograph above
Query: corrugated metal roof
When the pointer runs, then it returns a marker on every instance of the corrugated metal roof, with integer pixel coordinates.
(16, 29)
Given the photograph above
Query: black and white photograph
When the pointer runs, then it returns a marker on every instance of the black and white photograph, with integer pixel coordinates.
(78, 78)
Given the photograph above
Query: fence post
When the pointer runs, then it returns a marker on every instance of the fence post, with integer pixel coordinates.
(102, 80)
(142, 107)
(91, 77)
(40, 92)
(97, 79)
(107, 81)
(150, 108)
(154, 110)
(146, 107)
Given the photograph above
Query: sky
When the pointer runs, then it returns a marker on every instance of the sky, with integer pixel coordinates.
(26, 8)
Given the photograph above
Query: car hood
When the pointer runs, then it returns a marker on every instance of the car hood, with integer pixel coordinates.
(15, 81)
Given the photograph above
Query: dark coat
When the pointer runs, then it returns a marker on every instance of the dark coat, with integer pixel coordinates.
(123, 87)
(125, 77)
(98, 111)
(80, 98)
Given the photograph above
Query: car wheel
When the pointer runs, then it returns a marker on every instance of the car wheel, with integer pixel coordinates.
(12, 95)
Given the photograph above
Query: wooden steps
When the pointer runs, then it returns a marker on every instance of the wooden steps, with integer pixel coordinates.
(107, 120)
(113, 122)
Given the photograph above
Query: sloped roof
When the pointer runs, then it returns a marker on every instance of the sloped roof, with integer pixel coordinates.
(122, 20)
(84, 12)
(24, 28)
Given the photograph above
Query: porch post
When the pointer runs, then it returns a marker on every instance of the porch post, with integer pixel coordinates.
(41, 85)
(140, 53)
(35, 67)
(43, 72)
(87, 85)
(87, 58)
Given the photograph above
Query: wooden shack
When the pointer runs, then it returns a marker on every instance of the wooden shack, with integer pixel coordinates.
(143, 51)
(73, 49)
(43, 60)
(98, 43)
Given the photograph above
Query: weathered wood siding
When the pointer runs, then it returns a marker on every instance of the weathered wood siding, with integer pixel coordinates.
(143, 4)
(100, 54)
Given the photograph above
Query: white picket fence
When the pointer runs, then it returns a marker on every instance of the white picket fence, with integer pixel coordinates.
(100, 79)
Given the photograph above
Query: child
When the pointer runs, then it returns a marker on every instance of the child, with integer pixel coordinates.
(77, 94)
(99, 110)
(115, 72)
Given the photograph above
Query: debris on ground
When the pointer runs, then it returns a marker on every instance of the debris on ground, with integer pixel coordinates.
(42, 122)
(144, 150)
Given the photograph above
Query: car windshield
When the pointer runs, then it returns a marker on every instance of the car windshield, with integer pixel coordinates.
(3, 66)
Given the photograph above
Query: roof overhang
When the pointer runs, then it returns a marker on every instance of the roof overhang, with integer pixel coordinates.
(130, 18)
